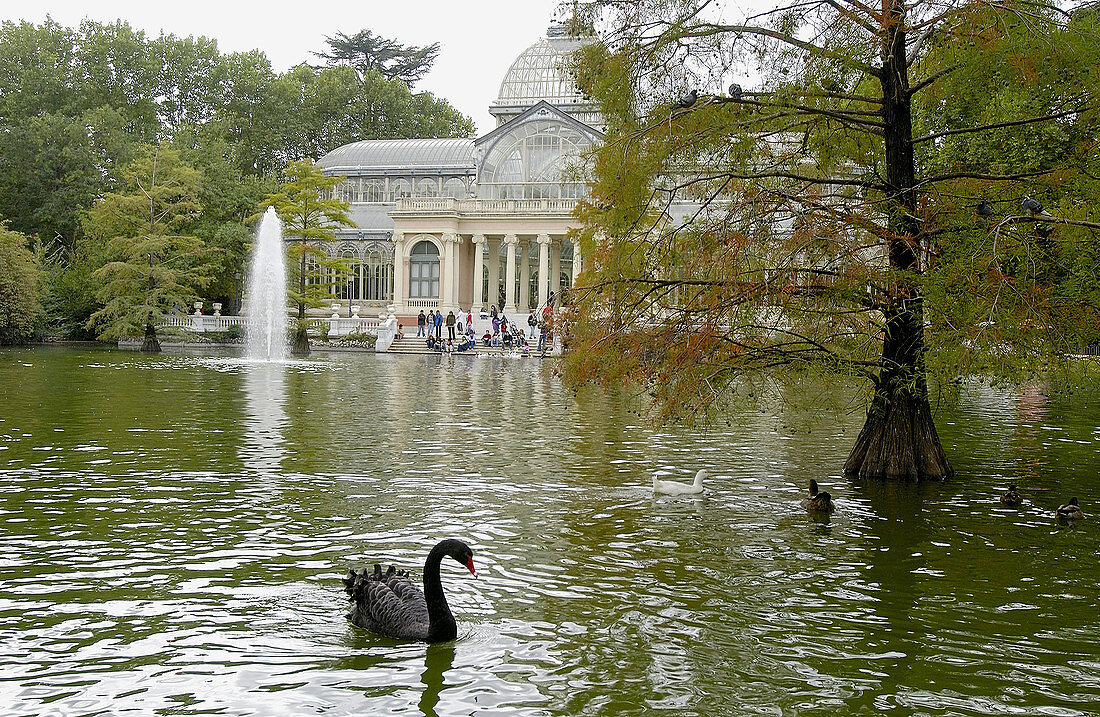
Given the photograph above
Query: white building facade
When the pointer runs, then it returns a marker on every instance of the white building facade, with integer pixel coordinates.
(461, 224)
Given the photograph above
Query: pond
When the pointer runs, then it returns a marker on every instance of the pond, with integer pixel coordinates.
(174, 529)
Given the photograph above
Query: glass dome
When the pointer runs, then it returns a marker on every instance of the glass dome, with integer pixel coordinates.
(540, 74)
(530, 161)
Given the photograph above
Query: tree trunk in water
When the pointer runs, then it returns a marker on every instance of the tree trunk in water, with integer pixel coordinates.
(150, 344)
(899, 439)
(300, 345)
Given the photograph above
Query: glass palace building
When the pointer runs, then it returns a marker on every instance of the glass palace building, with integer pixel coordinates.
(452, 224)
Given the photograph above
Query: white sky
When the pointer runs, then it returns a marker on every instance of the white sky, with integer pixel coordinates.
(478, 40)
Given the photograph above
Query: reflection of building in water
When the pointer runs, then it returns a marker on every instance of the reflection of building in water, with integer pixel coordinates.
(451, 224)
(265, 417)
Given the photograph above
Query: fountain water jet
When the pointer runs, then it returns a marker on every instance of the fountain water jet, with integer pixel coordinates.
(266, 338)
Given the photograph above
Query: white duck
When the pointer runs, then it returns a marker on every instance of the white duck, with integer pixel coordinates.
(672, 487)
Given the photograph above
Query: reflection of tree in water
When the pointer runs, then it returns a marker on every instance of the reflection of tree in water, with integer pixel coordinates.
(438, 660)
(899, 534)
(1032, 405)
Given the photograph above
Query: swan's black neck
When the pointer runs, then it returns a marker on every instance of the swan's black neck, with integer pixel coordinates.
(441, 623)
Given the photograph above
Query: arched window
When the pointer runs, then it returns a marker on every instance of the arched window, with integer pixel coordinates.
(377, 275)
(530, 161)
(424, 271)
(455, 187)
(348, 190)
(401, 188)
(351, 275)
(427, 188)
(374, 190)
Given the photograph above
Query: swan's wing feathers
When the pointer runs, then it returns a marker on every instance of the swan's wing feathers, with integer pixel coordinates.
(387, 603)
(409, 594)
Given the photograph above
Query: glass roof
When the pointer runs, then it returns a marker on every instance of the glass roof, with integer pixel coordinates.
(444, 155)
(539, 73)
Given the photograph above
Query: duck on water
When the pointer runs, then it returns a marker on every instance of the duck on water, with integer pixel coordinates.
(672, 487)
(817, 502)
(390, 604)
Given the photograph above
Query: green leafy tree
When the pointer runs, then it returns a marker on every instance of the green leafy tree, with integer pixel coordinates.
(54, 167)
(155, 265)
(310, 215)
(820, 216)
(366, 52)
(230, 199)
(21, 284)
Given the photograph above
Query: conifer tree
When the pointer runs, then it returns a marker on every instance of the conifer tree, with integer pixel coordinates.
(823, 209)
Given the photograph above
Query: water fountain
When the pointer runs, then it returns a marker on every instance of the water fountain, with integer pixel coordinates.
(266, 338)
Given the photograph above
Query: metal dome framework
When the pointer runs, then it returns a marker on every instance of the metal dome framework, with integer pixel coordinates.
(541, 74)
(385, 155)
(530, 158)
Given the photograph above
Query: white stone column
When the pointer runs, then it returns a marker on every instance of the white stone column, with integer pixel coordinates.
(525, 278)
(399, 274)
(555, 270)
(460, 241)
(448, 291)
(510, 242)
(479, 263)
(494, 271)
(544, 266)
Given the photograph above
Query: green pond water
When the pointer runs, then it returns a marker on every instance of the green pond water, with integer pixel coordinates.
(173, 530)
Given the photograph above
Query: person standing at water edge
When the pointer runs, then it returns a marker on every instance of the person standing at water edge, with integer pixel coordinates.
(450, 326)
(420, 323)
(439, 324)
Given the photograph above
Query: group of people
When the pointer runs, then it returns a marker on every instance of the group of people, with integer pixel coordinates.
(464, 343)
(434, 321)
(504, 334)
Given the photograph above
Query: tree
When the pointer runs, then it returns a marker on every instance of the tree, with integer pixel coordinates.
(21, 284)
(154, 264)
(230, 198)
(309, 213)
(365, 52)
(817, 228)
(52, 167)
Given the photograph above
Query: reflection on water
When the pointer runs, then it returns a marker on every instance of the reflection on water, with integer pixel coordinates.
(265, 419)
(438, 660)
(148, 566)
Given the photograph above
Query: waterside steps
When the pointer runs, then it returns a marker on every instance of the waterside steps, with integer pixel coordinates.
(413, 344)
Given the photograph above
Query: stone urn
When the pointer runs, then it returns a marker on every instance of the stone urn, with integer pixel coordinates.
(217, 309)
(198, 308)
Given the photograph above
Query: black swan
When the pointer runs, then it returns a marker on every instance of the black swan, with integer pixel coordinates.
(390, 604)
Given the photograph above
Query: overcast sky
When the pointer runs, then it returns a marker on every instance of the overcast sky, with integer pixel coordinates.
(478, 40)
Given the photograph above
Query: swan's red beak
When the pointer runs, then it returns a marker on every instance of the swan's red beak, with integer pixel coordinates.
(470, 566)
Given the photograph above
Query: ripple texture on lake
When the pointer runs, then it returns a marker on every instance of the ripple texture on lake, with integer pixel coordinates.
(174, 529)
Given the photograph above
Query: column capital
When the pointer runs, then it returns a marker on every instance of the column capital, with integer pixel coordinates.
(511, 239)
(478, 239)
(452, 237)
(398, 237)
(543, 239)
